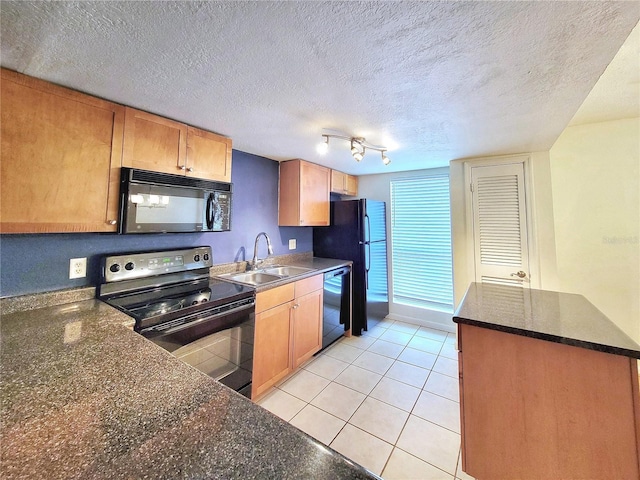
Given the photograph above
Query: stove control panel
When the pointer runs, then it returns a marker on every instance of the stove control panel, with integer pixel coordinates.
(147, 264)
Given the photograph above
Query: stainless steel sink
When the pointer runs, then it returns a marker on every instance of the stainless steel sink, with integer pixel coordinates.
(251, 278)
(285, 270)
(265, 275)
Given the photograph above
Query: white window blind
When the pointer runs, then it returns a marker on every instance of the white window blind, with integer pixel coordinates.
(421, 242)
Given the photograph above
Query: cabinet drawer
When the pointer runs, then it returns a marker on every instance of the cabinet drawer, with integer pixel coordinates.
(273, 297)
(307, 285)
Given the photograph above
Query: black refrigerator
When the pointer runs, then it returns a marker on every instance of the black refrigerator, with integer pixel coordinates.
(358, 233)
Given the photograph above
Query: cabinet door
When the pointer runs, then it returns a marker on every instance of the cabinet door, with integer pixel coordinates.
(337, 181)
(351, 185)
(303, 196)
(271, 354)
(154, 143)
(60, 160)
(314, 194)
(542, 401)
(307, 327)
(208, 155)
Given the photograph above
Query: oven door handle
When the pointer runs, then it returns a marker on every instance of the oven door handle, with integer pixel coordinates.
(183, 326)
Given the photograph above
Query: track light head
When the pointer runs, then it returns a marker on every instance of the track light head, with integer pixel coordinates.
(323, 147)
(386, 160)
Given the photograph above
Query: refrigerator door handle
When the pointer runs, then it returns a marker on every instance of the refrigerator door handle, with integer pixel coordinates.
(367, 220)
(367, 266)
(367, 242)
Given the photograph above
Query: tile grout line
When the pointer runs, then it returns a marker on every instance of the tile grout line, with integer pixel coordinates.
(394, 360)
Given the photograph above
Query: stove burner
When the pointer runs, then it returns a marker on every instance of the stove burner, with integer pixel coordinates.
(167, 305)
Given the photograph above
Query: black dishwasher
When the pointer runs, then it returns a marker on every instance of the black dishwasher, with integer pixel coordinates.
(336, 317)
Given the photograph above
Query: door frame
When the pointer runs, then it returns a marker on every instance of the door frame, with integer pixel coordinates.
(531, 221)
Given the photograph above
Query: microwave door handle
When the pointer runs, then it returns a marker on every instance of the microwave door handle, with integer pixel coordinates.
(209, 212)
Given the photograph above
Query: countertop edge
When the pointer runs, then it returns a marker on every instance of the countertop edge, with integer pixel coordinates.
(551, 338)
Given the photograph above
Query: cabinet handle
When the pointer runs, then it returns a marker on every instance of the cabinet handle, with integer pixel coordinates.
(295, 306)
(112, 222)
(182, 167)
(190, 169)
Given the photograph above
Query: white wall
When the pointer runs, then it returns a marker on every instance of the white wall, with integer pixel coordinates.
(595, 181)
(585, 205)
(377, 187)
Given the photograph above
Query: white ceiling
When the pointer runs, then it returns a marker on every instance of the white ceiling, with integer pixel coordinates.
(433, 81)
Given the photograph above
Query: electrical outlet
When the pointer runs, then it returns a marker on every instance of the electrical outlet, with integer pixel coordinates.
(292, 244)
(78, 267)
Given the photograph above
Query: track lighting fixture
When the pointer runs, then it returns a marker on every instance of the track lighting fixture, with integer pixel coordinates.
(358, 147)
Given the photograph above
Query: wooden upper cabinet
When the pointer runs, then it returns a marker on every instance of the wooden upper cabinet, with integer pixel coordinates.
(303, 198)
(60, 158)
(159, 144)
(208, 155)
(154, 143)
(343, 183)
(351, 185)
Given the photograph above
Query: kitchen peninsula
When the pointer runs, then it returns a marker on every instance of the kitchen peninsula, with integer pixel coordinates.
(548, 387)
(83, 396)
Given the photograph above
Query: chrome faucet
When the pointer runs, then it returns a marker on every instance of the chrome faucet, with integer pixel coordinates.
(255, 262)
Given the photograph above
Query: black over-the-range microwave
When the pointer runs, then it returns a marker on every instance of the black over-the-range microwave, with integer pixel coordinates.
(152, 202)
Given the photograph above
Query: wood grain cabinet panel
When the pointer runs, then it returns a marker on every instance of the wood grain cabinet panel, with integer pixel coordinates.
(288, 331)
(271, 358)
(61, 155)
(159, 144)
(351, 185)
(307, 327)
(344, 183)
(154, 143)
(303, 198)
(208, 155)
(534, 409)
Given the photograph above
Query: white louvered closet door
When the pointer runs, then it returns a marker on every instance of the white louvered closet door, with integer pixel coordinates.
(500, 224)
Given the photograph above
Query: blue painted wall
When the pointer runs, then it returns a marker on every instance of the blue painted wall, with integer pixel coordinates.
(40, 263)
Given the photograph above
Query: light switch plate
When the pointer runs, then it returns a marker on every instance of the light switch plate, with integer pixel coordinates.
(78, 267)
(292, 244)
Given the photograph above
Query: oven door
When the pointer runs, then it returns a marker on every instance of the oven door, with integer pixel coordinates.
(219, 343)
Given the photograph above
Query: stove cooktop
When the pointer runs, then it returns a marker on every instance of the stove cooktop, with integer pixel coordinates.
(160, 302)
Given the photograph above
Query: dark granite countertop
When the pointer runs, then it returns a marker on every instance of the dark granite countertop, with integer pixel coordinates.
(554, 316)
(83, 396)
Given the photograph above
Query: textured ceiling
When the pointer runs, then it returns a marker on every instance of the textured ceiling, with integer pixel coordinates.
(433, 81)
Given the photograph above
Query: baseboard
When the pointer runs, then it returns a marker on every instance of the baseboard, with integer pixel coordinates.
(447, 327)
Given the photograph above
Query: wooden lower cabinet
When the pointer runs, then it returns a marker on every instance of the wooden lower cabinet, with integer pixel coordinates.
(271, 348)
(307, 327)
(288, 331)
(535, 409)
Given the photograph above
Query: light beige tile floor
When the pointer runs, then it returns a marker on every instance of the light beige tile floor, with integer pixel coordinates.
(388, 400)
